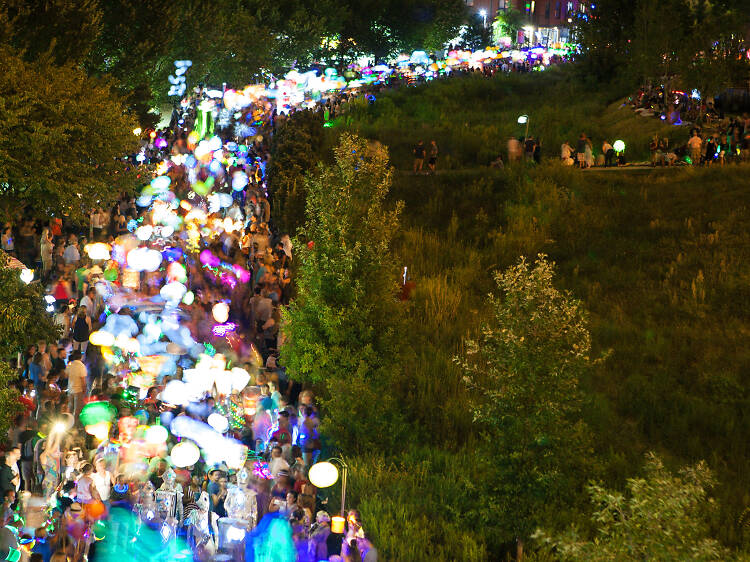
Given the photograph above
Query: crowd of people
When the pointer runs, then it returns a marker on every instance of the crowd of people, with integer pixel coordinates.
(135, 338)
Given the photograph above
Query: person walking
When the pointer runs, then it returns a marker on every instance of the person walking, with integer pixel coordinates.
(609, 154)
(581, 146)
(81, 329)
(419, 151)
(432, 162)
(77, 374)
(695, 144)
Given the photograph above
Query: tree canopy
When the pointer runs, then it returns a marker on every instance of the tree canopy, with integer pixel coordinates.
(525, 370)
(342, 327)
(63, 136)
(700, 43)
(660, 517)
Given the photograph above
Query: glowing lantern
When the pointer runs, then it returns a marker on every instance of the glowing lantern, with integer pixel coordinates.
(619, 146)
(220, 312)
(337, 524)
(176, 272)
(161, 183)
(240, 378)
(27, 275)
(99, 430)
(144, 259)
(239, 181)
(323, 474)
(101, 338)
(97, 251)
(185, 454)
(156, 435)
(144, 232)
(218, 422)
(173, 291)
(96, 412)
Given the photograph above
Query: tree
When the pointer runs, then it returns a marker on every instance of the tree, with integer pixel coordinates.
(342, 329)
(524, 370)
(23, 321)
(63, 137)
(296, 148)
(64, 30)
(134, 47)
(507, 24)
(475, 35)
(661, 517)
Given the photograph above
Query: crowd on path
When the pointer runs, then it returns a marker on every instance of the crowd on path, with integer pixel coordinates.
(236, 266)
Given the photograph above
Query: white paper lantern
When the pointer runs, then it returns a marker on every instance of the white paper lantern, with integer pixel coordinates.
(185, 454)
(156, 434)
(220, 312)
(218, 422)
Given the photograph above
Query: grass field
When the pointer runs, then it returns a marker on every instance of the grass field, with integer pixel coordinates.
(472, 118)
(660, 258)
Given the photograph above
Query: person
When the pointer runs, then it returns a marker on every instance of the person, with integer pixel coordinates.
(583, 143)
(419, 157)
(42, 548)
(10, 479)
(77, 374)
(102, 480)
(588, 154)
(529, 146)
(36, 373)
(711, 148)
(89, 302)
(694, 148)
(50, 463)
(432, 162)
(71, 255)
(514, 150)
(28, 440)
(653, 148)
(609, 154)
(46, 247)
(217, 491)
(81, 329)
(277, 462)
(566, 151)
(319, 533)
(7, 241)
(86, 491)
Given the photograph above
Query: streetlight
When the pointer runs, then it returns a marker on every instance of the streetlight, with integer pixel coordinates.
(524, 120)
(325, 474)
(483, 13)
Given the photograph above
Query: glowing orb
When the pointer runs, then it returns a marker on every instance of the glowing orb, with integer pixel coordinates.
(218, 422)
(185, 454)
(619, 146)
(220, 312)
(323, 474)
(156, 434)
(101, 338)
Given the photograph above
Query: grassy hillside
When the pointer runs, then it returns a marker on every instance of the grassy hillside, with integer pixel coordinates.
(660, 258)
(472, 118)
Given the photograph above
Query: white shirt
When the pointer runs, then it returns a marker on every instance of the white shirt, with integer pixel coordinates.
(71, 255)
(103, 484)
(89, 304)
